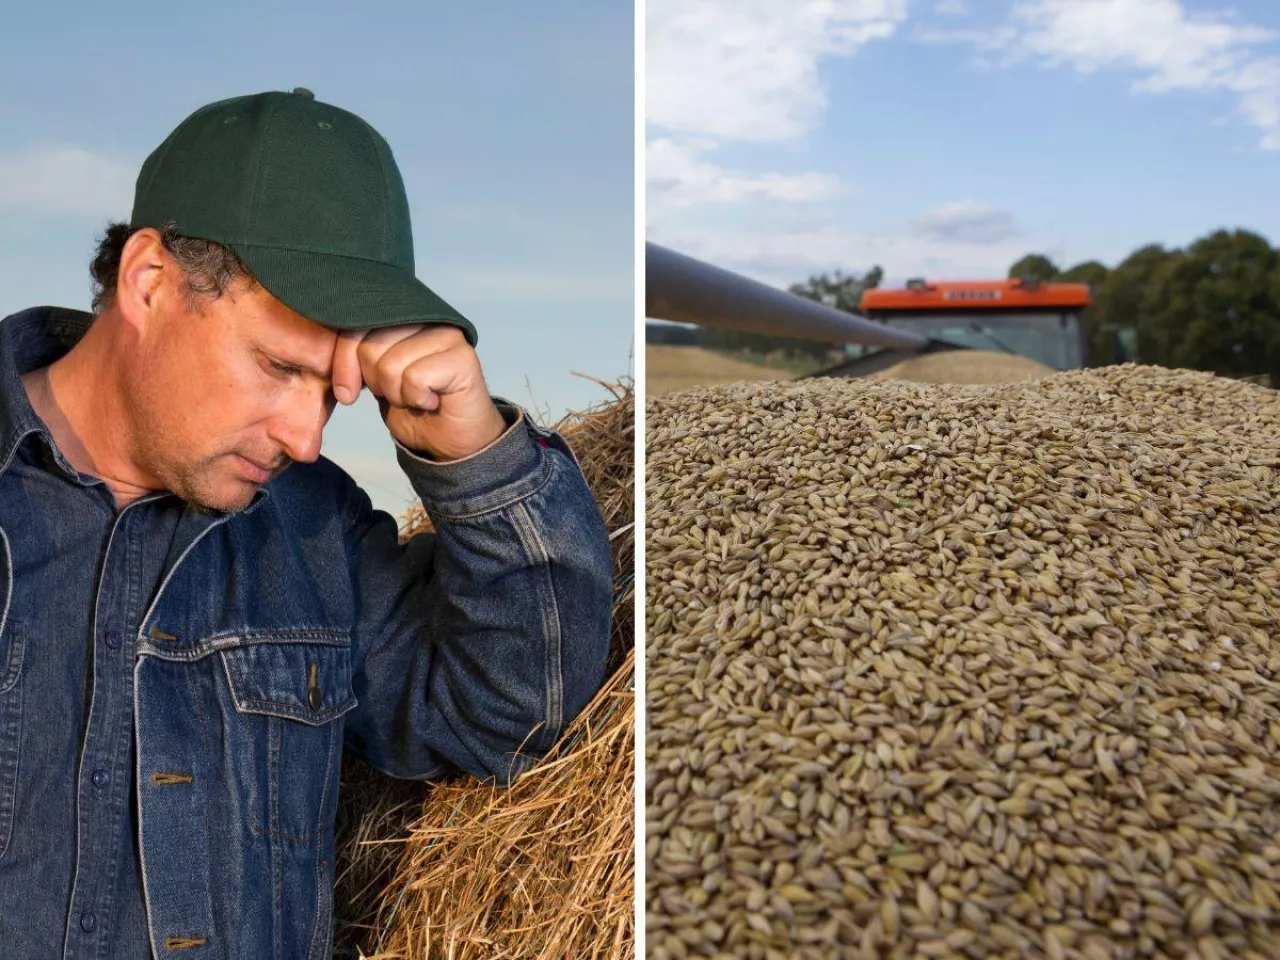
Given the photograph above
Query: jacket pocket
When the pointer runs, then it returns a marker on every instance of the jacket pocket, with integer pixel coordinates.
(290, 697)
(12, 649)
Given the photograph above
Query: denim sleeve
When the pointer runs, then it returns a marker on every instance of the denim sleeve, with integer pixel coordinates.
(477, 644)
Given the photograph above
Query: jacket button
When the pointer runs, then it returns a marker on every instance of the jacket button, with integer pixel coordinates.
(88, 922)
(111, 638)
(314, 700)
(101, 778)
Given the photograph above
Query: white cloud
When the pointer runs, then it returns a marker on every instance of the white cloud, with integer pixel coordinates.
(991, 40)
(66, 180)
(1167, 47)
(677, 176)
(967, 222)
(1173, 49)
(748, 70)
(951, 8)
(721, 72)
(741, 71)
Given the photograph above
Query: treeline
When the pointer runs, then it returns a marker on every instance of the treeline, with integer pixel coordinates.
(1214, 305)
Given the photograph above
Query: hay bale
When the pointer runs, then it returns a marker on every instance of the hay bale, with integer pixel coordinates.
(964, 671)
(544, 868)
(966, 366)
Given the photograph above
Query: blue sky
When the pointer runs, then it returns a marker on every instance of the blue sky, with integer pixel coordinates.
(512, 123)
(945, 138)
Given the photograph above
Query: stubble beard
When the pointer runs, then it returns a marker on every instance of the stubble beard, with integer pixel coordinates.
(200, 483)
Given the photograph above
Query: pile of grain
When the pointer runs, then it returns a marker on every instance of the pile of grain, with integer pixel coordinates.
(669, 368)
(964, 671)
(545, 868)
(965, 366)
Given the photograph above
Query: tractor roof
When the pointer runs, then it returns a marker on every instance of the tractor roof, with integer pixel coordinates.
(1020, 293)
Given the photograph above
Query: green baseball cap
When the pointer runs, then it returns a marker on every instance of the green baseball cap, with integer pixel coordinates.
(308, 196)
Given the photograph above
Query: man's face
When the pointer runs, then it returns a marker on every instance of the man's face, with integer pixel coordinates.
(232, 391)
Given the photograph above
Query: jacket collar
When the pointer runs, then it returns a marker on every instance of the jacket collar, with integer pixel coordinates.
(29, 340)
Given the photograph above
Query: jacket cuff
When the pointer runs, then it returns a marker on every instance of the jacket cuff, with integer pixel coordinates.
(509, 469)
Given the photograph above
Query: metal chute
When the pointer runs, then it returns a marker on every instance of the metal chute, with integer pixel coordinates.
(680, 288)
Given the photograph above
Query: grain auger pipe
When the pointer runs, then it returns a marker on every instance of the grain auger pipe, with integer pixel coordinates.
(680, 288)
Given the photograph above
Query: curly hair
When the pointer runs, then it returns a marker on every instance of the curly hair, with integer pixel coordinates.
(210, 268)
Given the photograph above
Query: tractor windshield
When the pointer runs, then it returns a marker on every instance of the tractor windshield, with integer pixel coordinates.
(1051, 337)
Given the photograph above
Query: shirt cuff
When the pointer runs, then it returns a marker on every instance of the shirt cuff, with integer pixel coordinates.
(508, 469)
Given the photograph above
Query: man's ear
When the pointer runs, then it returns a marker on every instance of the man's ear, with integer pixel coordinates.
(144, 268)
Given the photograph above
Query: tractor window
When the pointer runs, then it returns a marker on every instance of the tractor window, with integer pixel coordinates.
(1049, 338)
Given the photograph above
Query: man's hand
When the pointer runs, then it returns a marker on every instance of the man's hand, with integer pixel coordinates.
(429, 386)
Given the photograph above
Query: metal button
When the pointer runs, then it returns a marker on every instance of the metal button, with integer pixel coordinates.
(88, 922)
(111, 638)
(101, 778)
(314, 700)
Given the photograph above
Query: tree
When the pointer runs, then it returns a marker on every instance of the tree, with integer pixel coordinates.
(1214, 307)
(1117, 301)
(840, 290)
(1090, 271)
(1034, 264)
(1102, 343)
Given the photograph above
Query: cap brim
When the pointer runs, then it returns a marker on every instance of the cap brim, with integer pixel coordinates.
(346, 293)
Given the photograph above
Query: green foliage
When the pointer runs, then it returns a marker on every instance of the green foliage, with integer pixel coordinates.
(1102, 342)
(1034, 264)
(1091, 272)
(840, 290)
(1213, 306)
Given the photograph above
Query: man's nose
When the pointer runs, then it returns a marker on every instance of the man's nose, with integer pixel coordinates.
(300, 429)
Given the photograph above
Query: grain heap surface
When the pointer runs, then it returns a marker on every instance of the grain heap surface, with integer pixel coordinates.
(965, 366)
(964, 671)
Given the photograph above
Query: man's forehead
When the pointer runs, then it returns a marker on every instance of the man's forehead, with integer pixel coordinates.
(291, 337)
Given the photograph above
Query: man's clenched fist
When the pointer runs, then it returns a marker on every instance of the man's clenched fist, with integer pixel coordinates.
(429, 386)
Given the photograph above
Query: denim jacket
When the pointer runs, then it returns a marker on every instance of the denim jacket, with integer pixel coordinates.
(301, 625)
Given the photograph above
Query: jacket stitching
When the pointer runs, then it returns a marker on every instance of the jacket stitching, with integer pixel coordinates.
(239, 641)
(152, 934)
(319, 834)
(95, 705)
(536, 549)
(6, 829)
(289, 712)
(11, 665)
(205, 752)
(275, 736)
(509, 499)
(8, 566)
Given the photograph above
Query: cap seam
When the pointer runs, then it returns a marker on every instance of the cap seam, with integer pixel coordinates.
(272, 104)
(382, 165)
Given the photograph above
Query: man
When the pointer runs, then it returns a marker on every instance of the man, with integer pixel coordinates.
(197, 611)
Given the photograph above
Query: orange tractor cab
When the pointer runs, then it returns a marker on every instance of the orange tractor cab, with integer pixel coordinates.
(1026, 316)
